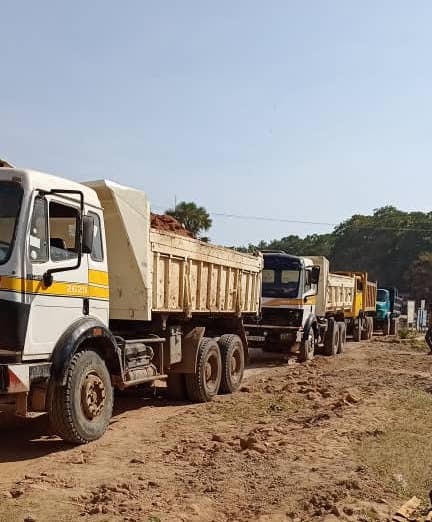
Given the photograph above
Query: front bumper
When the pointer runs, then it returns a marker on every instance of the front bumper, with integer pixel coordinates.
(259, 333)
(17, 378)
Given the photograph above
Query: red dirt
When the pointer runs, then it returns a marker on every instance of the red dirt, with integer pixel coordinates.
(169, 224)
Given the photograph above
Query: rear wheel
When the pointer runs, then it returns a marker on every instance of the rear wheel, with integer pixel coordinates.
(232, 353)
(342, 337)
(203, 385)
(331, 339)
(307, 347)
(80, 411)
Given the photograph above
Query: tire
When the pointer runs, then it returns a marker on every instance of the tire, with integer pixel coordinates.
(81, 410)
(232, 353)
(365, 329)
(357, 330)
(331, 340)
(176, 387)
(394, 326)
(202, 386)
(370, 327)
(342, 337)
(386, 326)
(307, 347)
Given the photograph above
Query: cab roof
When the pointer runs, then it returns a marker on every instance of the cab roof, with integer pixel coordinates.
(33, 179)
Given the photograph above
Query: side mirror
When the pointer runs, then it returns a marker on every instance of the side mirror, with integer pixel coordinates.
(315, 275)
(88, 234)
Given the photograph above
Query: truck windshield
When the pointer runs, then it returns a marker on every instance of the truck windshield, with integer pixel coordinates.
(281, 276)
(10, 203)
(382, 295)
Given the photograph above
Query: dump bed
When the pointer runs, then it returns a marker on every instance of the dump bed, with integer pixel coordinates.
(335, 291)
(365, 293)
(369, 300)
(153, 271)
(340, 293)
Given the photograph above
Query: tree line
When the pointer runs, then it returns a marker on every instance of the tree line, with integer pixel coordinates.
(393, 246)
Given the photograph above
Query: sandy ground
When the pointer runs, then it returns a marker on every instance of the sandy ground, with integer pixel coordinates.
(297, 443)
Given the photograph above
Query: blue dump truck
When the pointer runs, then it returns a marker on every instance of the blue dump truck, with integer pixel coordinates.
(388, 311)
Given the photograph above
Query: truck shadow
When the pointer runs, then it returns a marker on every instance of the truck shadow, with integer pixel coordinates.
(24, 439)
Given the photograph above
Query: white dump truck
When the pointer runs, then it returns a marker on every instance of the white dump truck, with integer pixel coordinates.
(302, 304)
(92, 298)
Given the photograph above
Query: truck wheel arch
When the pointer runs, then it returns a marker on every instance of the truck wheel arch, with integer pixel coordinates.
(87, 333)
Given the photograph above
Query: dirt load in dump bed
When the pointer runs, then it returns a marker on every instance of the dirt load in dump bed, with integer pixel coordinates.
(5, 164)
(169, 224)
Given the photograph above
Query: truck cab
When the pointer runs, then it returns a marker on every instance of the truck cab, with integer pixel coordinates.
(48, 278)
(383, 306)
(289, 289)
(388, 311)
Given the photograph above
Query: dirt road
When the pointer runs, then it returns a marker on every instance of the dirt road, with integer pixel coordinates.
(345, 438)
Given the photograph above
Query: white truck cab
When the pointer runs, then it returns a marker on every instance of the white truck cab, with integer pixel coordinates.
(47, 277)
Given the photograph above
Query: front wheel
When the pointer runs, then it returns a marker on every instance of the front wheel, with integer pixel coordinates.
(331, 338)
(307, 347)
(81, 410)
(203, 385)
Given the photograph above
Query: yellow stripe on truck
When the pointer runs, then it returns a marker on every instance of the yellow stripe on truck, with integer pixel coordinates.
(65, 289)
(97, 292)
(98, 277)
(311, 300)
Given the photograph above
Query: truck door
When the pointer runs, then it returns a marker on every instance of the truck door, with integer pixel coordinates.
(53, 243)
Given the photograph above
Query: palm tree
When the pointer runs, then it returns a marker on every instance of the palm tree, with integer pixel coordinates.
(193, 218)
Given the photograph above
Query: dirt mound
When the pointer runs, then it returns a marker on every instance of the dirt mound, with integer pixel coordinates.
(169, 224)
(4, 163)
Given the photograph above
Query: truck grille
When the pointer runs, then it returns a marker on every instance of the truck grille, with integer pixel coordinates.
(281, 317)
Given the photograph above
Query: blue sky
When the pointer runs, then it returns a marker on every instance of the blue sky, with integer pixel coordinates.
(303, 110)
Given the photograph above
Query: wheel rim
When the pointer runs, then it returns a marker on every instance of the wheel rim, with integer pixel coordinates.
(235, 365)
(93, 395)
(211, 373)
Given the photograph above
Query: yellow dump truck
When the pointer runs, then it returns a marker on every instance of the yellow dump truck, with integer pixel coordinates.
(91, 299)
(360, 320)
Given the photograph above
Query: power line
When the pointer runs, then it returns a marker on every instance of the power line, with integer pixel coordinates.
(306, 222)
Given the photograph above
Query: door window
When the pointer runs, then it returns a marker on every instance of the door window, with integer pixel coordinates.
(97, 250)
(308, 280)
(63, 230)
(38, 240)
